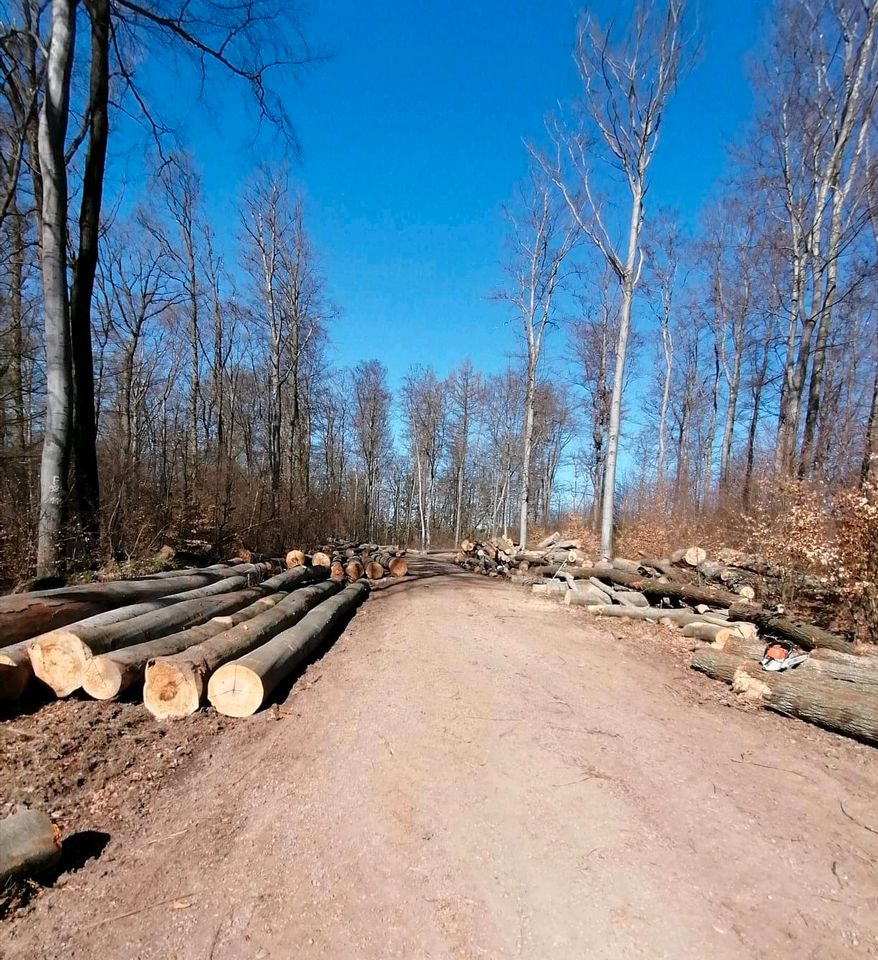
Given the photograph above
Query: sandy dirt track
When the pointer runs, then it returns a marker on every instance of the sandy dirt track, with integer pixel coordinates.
(474, 772)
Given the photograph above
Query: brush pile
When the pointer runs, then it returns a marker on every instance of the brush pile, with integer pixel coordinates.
(231, 632)
(724, 605)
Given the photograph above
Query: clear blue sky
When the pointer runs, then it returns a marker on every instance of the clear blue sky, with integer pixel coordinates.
(412, 140)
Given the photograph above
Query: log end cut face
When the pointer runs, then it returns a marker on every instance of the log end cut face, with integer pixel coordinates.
(235, 690)
(102, 678)
(58, 659)
(171, 691)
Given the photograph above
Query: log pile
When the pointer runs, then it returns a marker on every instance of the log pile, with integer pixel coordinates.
(351, 561)
(501, 557)
(722, 605)
(170, 633)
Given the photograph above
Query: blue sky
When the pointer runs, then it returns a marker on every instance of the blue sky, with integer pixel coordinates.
(412, 140)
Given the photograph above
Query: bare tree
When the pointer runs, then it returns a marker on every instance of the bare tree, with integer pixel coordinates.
(542, 237)
(626, 85)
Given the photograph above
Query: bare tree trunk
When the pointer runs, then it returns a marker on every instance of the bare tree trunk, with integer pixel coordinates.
(55, 463)
(87, 483)
(869, 468)
(629, 280)
(667, 352)
(526, 453)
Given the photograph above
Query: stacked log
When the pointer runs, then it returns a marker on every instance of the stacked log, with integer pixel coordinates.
(172, 644)
(501, 557)
(352, 561)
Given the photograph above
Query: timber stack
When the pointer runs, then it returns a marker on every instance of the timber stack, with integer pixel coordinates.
(723, 605)
(352, 561)
(501, 557)
(169, 633)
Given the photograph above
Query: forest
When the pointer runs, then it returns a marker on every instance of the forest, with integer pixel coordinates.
(718, 380)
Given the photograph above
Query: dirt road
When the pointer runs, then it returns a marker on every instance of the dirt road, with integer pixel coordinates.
(474, 772)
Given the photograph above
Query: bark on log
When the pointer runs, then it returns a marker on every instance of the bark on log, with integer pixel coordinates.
(108, 675)
(710, 633)
(549, 541)
(26, 615)
(806, 635)
(854, 668)
(650, 586)
(241, 687)
(174, 686)
(29, 844)
(842, 707)
(59, 657)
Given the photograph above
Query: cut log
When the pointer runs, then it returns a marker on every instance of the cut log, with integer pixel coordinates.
(805, 635)
(585, 595)
(27, 615)
(627, 566)
(709, 632)
(295, 558)
(337, 570)
(374, 570)
(354, 570)
(59, 657)
(630, 598)
(398, 567)
(320, 559)
(29, 845)
(174, 686)
(846, 708)
(650, 586)
(747, 647)
(15, 670)
(240, 688)
(694, 556)
(108, 675)
(854, 668)
(548, 541)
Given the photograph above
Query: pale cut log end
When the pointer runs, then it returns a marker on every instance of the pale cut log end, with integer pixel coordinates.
(354, 570)
(235, 691)
(170, 692)
(374, 570)
(321, 559)
(695, 555)
(58, 659)
(101, 678)
(295, 558)
(749, 686)
(15, 673)
(337, 570)
(398, 567)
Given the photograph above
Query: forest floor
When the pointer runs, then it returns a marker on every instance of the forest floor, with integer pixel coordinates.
(468, 772)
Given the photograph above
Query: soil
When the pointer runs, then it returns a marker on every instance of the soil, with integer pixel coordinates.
(469, 771)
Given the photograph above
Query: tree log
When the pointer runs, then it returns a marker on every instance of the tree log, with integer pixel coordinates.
(295, 558)
(26, 615)
(320, 559)
(59, 657)
(806, 635)
(29, 844)
(398, 567)
(354, 570)
(241, 687)
(174, 686)
(854, 668)
(374, 570)
(549, 541)
(848, 708)
(108, 675)
(650, 586)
